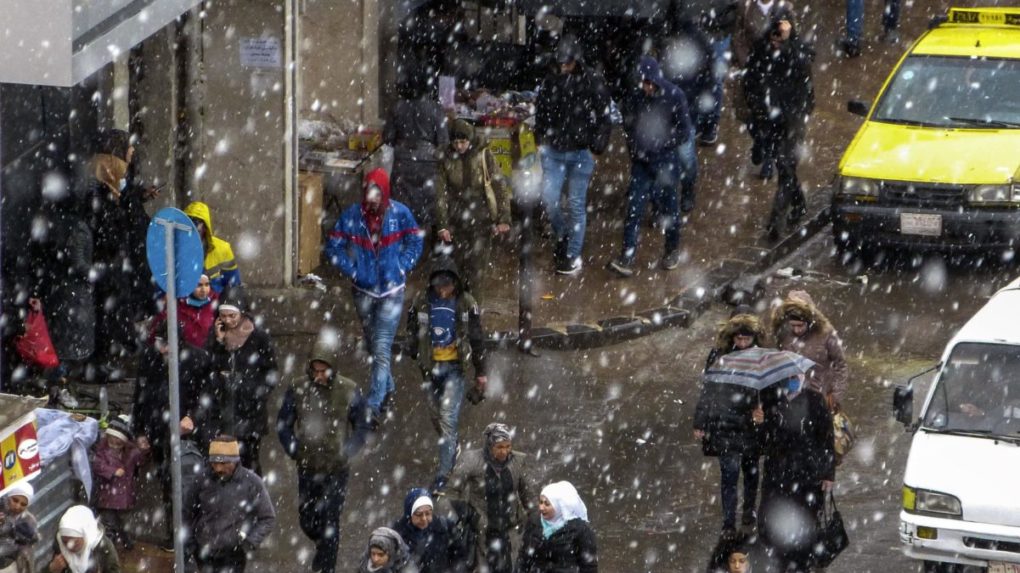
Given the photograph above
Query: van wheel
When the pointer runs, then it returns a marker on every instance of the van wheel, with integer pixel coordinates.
(939, 567)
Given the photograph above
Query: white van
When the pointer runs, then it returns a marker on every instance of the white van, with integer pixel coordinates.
(961, 488)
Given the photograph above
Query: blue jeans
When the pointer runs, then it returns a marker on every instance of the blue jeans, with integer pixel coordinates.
(573, 168)
(446, 395)
(321, 499)
(379, 320)
(730, 466)
(708, 121)
(657, 181)
(855, 19)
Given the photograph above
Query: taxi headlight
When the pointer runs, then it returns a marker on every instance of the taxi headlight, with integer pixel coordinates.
(923, 501)
(1002, 194)
(858, 186)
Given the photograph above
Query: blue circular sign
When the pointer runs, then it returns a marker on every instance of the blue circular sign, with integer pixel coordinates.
(189, 256)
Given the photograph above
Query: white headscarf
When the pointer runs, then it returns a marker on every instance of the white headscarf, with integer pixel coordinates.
(22, 488)
(78, 521)
(565, 500)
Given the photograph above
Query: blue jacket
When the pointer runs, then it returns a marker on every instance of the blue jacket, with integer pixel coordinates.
(655, 126)
(376, 270)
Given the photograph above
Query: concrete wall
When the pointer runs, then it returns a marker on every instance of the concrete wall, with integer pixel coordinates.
(238, 139)
(340, 59)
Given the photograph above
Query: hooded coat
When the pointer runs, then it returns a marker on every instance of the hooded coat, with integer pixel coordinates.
(820, 344)
(571, 545)
(322, 426)
(655, 125)
(460, 187)
(433, 549)
(377, 267)
(724, 410)
(778, 85)
(470, 341)
(220, 265)
(99, 554)
(390, 542)
(572, 110)
(753, 25)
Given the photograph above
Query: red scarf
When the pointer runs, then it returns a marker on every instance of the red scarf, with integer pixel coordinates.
(373, 218)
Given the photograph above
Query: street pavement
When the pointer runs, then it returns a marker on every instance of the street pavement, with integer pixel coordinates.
(616, 421)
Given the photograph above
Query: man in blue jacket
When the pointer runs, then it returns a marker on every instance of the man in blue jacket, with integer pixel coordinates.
(375, 244)
(660, 139)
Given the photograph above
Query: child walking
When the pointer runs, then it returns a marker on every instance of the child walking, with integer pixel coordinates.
(115, 466)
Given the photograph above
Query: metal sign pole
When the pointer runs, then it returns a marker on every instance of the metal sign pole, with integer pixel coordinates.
(175, 393)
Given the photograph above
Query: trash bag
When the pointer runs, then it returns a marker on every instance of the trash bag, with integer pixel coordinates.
(35, 346)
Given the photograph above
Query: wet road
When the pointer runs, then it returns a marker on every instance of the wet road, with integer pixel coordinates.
(616, 421)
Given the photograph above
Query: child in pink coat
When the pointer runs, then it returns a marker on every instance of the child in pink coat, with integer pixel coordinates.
(115, 467)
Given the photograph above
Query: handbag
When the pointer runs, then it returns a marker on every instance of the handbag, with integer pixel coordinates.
(490, 192)
(36, 346)
(832, 537)
(844, 433)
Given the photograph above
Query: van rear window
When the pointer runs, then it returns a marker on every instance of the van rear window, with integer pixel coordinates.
(978, 391)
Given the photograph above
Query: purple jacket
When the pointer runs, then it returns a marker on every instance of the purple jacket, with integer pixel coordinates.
(114, 492)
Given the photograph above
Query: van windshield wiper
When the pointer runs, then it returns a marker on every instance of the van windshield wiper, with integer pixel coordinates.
(984, 122)
(986, 434)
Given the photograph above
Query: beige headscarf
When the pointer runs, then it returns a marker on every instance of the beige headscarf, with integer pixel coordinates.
(110, 169)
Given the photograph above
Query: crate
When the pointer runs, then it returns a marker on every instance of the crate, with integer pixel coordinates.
(509, 145)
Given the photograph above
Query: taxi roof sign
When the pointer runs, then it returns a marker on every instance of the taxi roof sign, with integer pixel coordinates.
(985, 16)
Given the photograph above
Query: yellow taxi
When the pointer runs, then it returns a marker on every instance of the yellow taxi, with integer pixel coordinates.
(937, 163)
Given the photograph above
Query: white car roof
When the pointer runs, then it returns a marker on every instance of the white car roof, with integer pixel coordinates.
(997, 321)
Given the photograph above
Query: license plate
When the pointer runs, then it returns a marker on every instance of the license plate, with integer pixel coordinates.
(918, 224)
(1000, 567)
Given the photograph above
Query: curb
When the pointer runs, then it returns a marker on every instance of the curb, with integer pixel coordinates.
(733, 282)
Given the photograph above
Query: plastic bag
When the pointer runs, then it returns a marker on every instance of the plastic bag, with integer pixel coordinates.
(36, 346)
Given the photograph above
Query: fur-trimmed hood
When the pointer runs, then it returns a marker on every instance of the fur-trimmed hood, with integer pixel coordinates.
(724, 340)
(800, 303)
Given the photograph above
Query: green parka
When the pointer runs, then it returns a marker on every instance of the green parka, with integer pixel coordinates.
(461, 183)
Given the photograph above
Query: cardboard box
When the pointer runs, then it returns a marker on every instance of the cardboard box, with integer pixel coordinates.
(309, 221)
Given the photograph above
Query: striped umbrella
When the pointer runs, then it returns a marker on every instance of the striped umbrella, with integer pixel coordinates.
(757, 368)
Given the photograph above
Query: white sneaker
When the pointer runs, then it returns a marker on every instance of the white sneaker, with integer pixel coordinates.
(66, 400)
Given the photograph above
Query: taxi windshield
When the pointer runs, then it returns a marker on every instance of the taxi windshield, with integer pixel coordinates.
(978, 391)
(943, 91)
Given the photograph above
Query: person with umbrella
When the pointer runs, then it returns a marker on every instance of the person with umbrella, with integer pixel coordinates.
(799, 469)
(722, 422)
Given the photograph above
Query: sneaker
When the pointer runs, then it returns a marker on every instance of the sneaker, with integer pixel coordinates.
(851, 49)
(388, 402)
(795, 216)
(708, 139)
(766, 169)
(167, 545)
(749, 519)
(757, 154)
(621, 267)
(569, 267)
(686, 201)
(891, 37)
(670, 261)
(65, 399)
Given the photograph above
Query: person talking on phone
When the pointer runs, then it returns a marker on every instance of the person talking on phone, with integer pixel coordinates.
(244, 371)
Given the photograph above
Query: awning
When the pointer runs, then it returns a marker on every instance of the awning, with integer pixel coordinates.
(62, 42)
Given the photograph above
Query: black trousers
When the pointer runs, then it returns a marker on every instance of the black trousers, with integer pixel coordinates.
(231, 563)
(785, 139)
(321, 497)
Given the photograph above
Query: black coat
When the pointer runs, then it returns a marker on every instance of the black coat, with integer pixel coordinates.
(572, 111)
(780, 81)
(572, 549)
(724, 414)
(152, 396)
(437, 550)
(243, 380)
(798, 444)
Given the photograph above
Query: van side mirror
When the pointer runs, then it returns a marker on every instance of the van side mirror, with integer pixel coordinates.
(903, 404)
(858, 107)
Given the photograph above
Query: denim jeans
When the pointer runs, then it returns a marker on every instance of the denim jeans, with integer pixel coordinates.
(731, 464)
(708, 120)
(379, 320)
(321, 498)
(446, 395)
(657, 181)
(573, 168)
(855, 19)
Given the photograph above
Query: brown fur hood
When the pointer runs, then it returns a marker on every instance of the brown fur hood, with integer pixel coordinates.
(724, 340)
(804, 306)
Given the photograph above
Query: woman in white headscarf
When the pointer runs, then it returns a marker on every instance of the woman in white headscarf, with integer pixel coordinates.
(19, 530)
(559, 539)
(81, 546)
